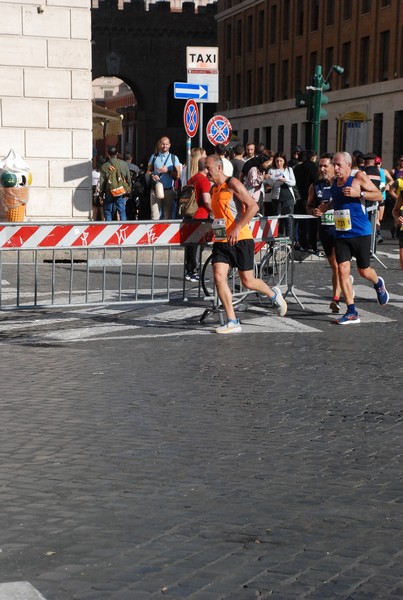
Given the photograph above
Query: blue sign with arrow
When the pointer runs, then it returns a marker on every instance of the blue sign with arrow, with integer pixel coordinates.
(187, 91)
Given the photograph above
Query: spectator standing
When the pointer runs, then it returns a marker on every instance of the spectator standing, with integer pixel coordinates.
(97, 202)
(305, 175)
(221, 151)
(164, 167)
(233, 208)
(114, 205)
(295, 150)
(250, 154)
(202, 190)
(281, 179)
(132, 201)
(398, 217)
(238, 160)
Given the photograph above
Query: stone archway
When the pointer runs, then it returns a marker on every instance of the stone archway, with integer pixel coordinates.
(147, 50)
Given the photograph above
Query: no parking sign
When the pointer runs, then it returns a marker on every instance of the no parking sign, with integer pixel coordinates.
(219, 130)
(191, 118)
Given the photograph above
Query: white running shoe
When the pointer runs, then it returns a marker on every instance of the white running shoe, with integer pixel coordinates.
(279, 302)
(230, 327)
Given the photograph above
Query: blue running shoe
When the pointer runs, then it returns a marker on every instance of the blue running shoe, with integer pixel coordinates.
(382, 293)
(348, 319)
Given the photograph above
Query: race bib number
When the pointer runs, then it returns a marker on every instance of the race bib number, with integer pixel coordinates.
(342, 220)
(327, 218)
(219, 229)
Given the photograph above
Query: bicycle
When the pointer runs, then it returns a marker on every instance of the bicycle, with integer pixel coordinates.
(272, 267)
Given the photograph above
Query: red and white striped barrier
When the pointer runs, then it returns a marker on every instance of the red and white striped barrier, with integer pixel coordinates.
(118, 234)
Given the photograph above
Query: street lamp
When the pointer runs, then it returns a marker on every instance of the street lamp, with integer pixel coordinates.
(320, 85)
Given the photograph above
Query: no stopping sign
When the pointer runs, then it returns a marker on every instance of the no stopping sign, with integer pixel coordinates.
(218, 130)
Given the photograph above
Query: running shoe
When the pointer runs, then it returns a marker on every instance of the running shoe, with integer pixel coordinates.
(194, 277)
(230, 327)
(334, 306)
(382, 293)
(278, 302)
(348, 319)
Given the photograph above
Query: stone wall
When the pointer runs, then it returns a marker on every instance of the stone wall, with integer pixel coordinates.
(45, 107)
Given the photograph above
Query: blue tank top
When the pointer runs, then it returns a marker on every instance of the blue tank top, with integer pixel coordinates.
(323, 193)
(350, 216)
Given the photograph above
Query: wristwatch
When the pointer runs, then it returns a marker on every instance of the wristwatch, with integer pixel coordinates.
(362, 194)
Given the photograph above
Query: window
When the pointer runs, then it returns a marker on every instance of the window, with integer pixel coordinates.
(286, 20)
(377, 135)
(365, 6)
(272, 82)
(259, 86)
(329, 62)
(248, 99)
(238, 38)
(280, 138)
(398, 135)
(323, 137)
(401, 52)
(228, 41)
(299, 30)
(273, 24)
(238, 90)
(284, 79)
(364, 61)
(330, 4)
(298, 73)
(347, 10)
(267, 137)
(256, 136)
(249, 33)
(345, 61)
(245, 137)
(384, 55)
(260, 29)
(385, 3)
(313, 61)
(228, 92)
(294, 135)
(314, 15)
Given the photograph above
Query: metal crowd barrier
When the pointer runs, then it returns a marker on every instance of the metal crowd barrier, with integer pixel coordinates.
(99, 263)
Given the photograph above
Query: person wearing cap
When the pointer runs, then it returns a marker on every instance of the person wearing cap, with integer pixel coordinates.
(295, 150)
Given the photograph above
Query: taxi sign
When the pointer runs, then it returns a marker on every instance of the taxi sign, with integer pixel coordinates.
(218, 130)
(191, 118)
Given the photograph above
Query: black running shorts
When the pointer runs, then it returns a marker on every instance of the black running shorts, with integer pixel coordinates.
(239, 255)
(360, 247)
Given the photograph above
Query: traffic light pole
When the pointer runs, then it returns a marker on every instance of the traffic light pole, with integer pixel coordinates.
(317, 101)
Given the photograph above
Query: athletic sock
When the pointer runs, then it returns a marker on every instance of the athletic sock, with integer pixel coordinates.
(351, 309)
(378, 284)
(336, 298)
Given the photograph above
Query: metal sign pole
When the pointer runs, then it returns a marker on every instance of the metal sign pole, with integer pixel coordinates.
(188, 148)
(200, 124)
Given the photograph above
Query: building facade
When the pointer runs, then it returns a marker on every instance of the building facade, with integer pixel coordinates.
(269, 50)
(45, 109)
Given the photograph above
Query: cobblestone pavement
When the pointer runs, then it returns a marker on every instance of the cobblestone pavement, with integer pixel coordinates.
(152, 460)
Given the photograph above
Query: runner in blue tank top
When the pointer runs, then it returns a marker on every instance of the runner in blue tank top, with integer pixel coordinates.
(353, 231)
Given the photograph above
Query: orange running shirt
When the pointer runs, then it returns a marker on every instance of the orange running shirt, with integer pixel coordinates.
(225, 206)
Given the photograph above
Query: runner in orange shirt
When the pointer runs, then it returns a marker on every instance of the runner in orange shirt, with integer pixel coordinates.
(233, 208)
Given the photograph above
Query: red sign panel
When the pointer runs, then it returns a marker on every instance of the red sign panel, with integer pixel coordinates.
(191, 118)
(219, 130)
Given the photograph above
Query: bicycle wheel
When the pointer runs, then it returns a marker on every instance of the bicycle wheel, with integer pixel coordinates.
(234, 281)
(207, 279)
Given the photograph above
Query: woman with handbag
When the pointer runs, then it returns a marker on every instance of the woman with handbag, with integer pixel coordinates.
(282, 181)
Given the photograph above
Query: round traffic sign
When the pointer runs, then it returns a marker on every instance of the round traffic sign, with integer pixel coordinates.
(219, 130)
(191, 118)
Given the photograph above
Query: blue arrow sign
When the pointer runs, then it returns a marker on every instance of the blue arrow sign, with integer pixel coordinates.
(187, 91)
